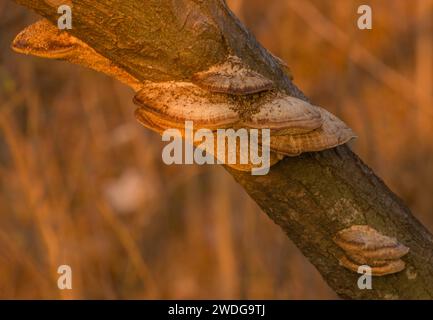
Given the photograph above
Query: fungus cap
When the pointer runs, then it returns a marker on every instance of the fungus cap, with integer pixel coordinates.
(176, 102)
(44, 40)
(148, 120)
(364, 245)
(368, 242)
(390, 267)
(286, 115)
(232, 77)
(331, 134)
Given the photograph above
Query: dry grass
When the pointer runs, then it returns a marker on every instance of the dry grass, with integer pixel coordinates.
(81, 183)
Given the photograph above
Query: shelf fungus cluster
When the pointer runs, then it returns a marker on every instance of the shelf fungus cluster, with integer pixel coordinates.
(364, 245)
(229, 95)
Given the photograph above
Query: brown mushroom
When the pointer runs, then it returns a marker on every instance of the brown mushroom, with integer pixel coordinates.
(285, 115)
(232, 77)
(43, 39)
(331, 134)
(176, 102)
(370, 242)
(388, 267)
(364, 245)
(151, 122)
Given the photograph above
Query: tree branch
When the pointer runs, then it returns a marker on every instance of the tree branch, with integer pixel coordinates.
(311, 197)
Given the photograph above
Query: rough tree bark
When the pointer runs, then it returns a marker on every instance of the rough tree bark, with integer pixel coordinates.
(310, 197)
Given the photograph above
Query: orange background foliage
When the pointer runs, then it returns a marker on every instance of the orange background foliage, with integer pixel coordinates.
(81, 183)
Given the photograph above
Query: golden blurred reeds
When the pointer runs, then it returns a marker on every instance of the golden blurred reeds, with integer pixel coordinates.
(81, 183)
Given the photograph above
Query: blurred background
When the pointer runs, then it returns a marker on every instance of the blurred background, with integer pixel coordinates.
(83, 184)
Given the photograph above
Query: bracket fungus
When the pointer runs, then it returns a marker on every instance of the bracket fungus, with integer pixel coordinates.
(45, 40)
(296, 126)
(173, 103)
(331, 134)
(151, 122)
(364, 245)
(232, 77)
(176, 102)
(227, 95)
